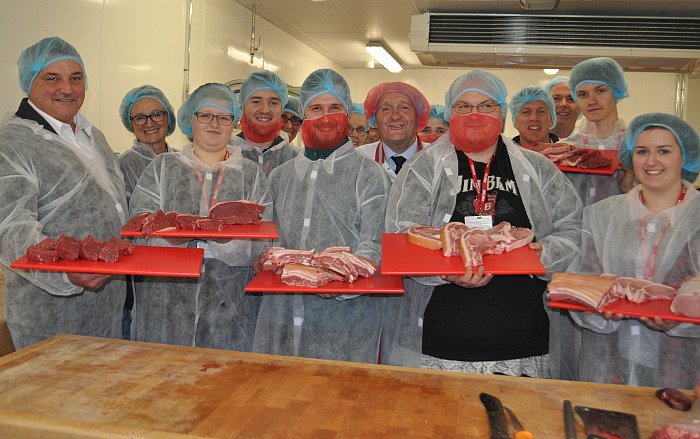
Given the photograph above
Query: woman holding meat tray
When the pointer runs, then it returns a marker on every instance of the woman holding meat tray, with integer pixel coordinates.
(650, 233)
(212, 311)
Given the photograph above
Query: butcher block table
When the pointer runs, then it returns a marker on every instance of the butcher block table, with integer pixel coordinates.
(80, 387)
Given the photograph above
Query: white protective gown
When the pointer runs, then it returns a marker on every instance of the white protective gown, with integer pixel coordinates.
(337, 201)
(133, 161)
(269, 159)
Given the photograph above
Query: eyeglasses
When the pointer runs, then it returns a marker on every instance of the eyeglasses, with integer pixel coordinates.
(358, 130)
(293, 119)
(487, 107)
(206, 118)
(141, 119)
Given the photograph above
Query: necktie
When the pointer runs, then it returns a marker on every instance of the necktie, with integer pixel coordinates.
(398, 161)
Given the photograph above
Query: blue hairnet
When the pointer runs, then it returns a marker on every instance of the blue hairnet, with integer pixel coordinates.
(263, 80)
(685, 135)
(604, 71)
(325, 81)
(208, 95)
(358, 108)
(556, 81)
(479, 81)
(437, 111)
(293, 106)
(529, 94)
(39, 56)
(138, 93)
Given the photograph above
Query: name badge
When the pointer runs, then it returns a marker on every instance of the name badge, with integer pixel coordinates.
(479, 222)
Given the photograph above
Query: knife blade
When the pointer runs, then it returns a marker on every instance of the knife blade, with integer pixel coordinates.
(497, 419)
(569, 421)
(520, 432)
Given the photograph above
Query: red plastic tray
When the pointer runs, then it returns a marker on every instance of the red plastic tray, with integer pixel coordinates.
(651, 308)
(269, 282)
(264, 230)
(605, 170)
(400, 257)
(146, 261)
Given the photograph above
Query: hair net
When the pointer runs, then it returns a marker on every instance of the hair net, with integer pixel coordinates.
(685, 135)
(437, 111)
(325, 81)
(529, 94)
(138, 93)
(556, 81)
(208, 95)
(358, 108)
(293, 106)
(479, 81)
(263, 80)
(39, 56)
(420, 103)
(604, 71)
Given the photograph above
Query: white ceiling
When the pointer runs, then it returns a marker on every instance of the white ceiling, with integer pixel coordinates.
(339, 29)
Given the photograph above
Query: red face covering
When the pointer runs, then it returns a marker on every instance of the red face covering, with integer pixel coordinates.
(474, 132)
(258, 133)
(325, 132)
(429, 138)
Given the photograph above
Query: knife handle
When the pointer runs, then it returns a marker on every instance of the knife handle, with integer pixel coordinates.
(521, 434)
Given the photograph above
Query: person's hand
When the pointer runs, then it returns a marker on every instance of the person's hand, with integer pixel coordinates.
(257, 263)
(537, 247)
(327, 296)
(89, 281)
(658, 324)
(220, 241)
(471, 278)
(609, 315)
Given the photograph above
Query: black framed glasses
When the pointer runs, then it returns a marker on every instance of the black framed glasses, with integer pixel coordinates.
(486, 107)
(293, 119)
(207, 118)
(141, 119)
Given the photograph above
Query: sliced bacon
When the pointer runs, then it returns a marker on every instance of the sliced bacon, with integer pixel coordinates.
(305, 276)
(336, 262)
(277, 257)
(585, 289)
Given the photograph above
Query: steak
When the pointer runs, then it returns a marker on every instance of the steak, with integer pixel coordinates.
(156, 221)
(597, 161)
(135, 223)
(188, 222)
(125, 247)
(68, 248)
(109, 252)
(450, 236)
(90, 248)
(425, 236)
(277, 257)
(237, 212)
(337, 263)
(38, 253)
(305, 276)
(210, 224)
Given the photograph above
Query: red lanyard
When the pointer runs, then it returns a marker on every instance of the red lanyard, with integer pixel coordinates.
(481, 192)
(650, 260)
(218, 181)
(379, 151)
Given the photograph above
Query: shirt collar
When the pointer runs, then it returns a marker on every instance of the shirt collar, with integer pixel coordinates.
(410, 152)
(81, 123)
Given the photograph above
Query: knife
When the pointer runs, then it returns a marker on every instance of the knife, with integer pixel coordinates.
(569, 421)
(520, 432)
(497, 419)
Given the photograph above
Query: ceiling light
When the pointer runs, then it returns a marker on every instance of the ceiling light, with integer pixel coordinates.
(379, 53)
(550, 71)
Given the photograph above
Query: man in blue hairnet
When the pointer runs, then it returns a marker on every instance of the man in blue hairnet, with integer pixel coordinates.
(533, 116)
(565, 106)
(58, 176)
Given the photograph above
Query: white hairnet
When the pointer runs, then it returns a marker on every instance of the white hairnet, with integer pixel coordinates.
(294, 106)
(325, 81)
(602, 70)
(529, 94)
(208, 95)
(39, 56)
(138, 93)
(263, 80)
(479, 81)
(685, 135)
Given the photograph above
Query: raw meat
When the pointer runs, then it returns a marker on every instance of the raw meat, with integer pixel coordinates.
(41, 254)
(135, 223)
(674, 398)
(125, 247)
(567, 154)
(687, 300)
(337, 263)
(365, 267)
(450, 236)
(156, 221)
(188, 222)
(237, 212)
(305, 276)
(277, 257)
(521, 238)
(471, 247)
(109, 252)
(48, 243)
(425, 236)
(338, 249)
(90, 248)
(68, 248)
(210, 224)
(677, 432)
(585, 289)
(595, 162)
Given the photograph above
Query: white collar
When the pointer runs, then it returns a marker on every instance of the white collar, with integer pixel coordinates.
(81, 123)
(410, 152)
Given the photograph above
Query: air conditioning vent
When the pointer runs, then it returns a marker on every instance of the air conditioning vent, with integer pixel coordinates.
(640, 43)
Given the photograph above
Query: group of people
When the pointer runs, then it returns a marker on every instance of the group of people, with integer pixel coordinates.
(431, 164)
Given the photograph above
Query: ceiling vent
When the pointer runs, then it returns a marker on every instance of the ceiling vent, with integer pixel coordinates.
(555, 41)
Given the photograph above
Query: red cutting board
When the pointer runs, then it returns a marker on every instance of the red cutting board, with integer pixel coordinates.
(269, 282)
(264, 230)
(146, 261)
(651, 309)
(605, 170)
(400, 257)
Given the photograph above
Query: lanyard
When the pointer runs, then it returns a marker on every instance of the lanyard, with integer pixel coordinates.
(481, 192)
(650, 260)
(218, 181)
(379, 151)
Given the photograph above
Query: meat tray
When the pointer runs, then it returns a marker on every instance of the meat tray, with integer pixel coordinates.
(146, 261)
(652, 308)
(400, 257)
(264, 230)
(269, 282)
(605, 170)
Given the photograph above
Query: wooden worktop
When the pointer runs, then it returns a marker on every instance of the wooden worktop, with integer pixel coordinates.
(75, 387)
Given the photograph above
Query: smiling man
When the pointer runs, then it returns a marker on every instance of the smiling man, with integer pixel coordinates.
(533, 116)
(58, 176)
(400, 111)
(565, 106)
